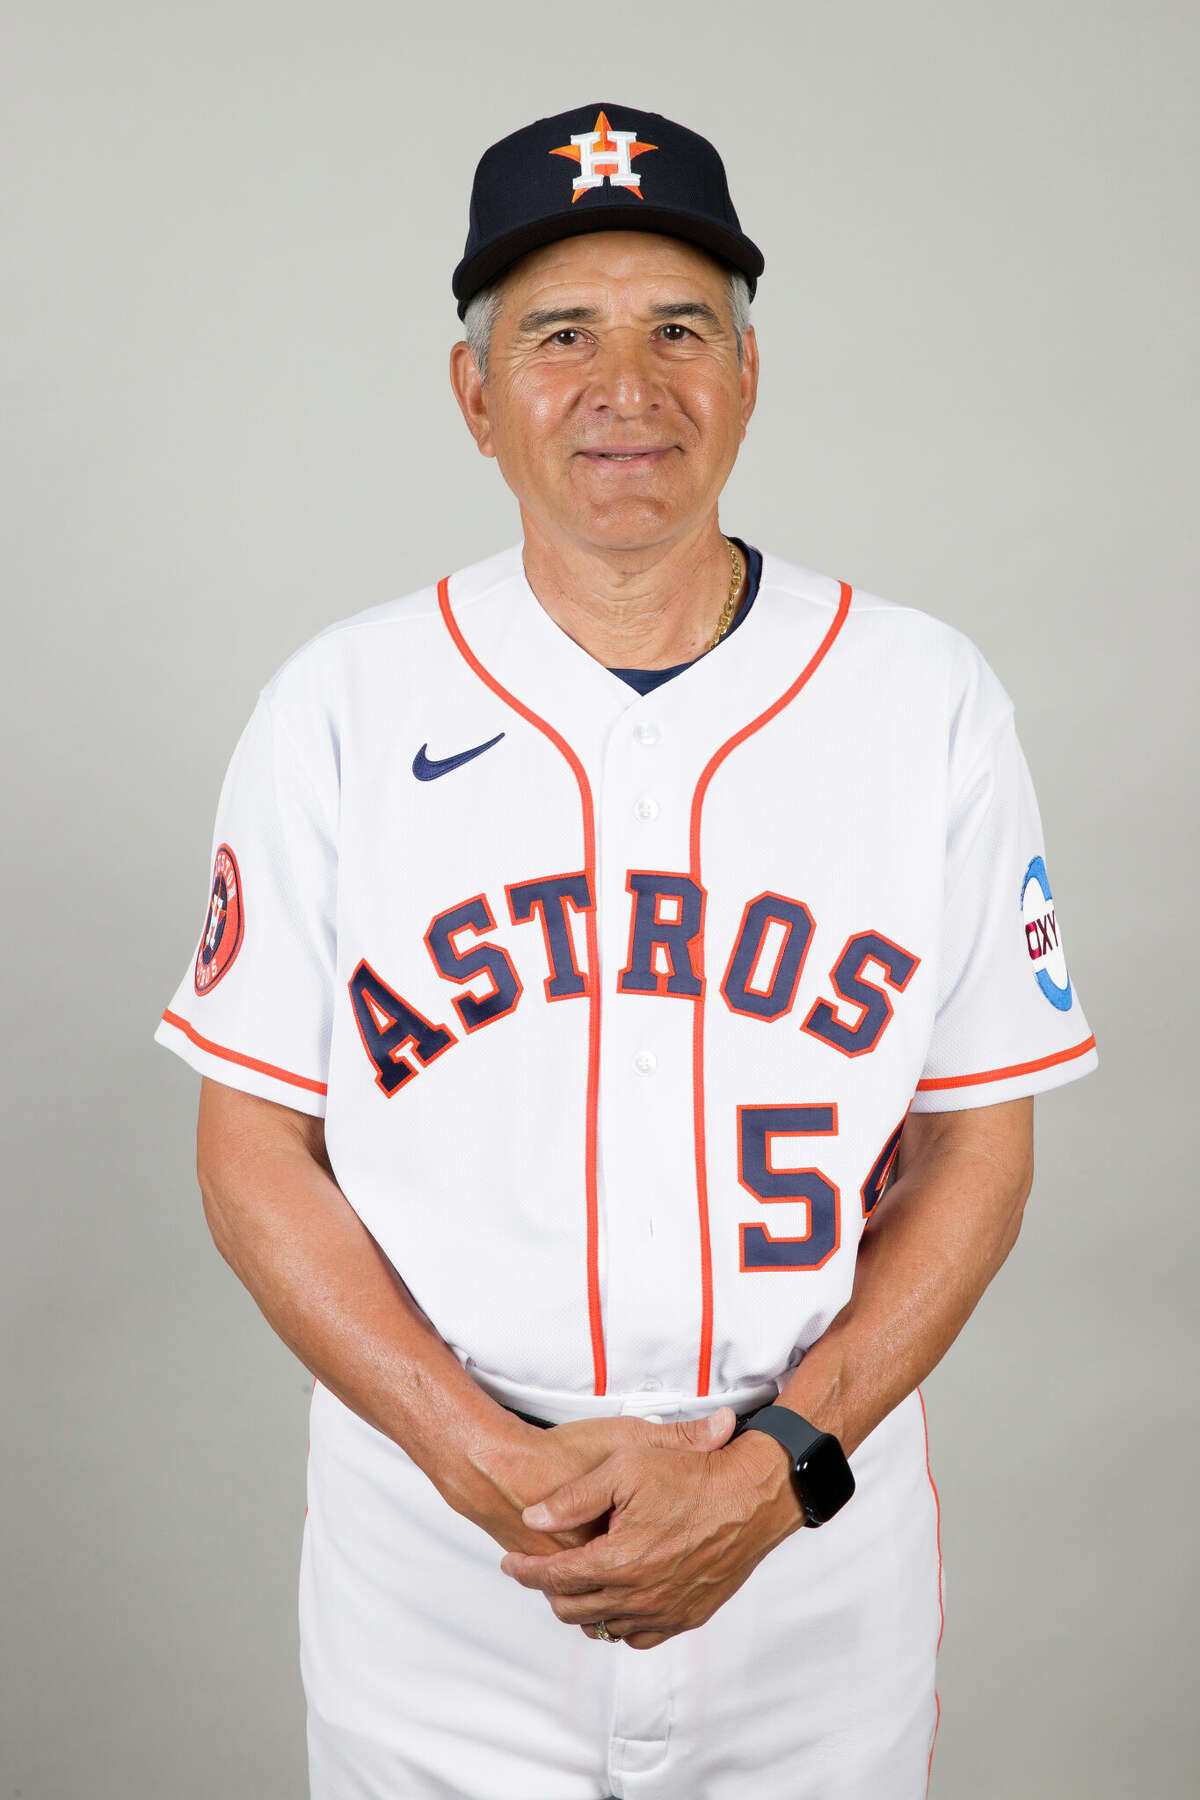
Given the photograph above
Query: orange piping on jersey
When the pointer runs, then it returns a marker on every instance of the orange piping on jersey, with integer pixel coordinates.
(937, 1506)
(739, 737)
(593, 982)
(1026, 1068)
(247, 1062)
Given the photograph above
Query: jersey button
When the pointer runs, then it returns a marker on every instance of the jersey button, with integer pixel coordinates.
(645, 807)
(645, 1062)
(651, 1385)
(646, 733)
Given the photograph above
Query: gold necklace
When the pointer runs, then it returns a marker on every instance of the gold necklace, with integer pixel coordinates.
(735, 582)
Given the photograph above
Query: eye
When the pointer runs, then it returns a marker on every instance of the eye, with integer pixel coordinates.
(682, 331)
(567, 338)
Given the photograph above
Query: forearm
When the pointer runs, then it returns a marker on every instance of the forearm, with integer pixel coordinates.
(937, 1237)
(284, 1226)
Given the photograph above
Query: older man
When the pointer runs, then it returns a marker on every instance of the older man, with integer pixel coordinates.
(599, 942)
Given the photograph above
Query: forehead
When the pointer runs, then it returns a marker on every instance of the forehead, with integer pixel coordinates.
(637, 266)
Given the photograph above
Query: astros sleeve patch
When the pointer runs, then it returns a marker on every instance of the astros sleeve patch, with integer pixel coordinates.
(255, 1006)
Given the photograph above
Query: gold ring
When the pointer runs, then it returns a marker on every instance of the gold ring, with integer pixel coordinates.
(602, 1631)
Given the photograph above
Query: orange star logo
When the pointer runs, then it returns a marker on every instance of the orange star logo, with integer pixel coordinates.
(604, 155)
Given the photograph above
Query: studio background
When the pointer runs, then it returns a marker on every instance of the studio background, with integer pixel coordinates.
(227, 245)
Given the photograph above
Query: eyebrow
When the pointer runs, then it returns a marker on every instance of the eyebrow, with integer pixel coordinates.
(543, 317)
(687, 309)
(546, 318)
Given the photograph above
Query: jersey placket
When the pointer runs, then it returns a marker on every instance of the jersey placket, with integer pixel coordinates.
(651, 1268)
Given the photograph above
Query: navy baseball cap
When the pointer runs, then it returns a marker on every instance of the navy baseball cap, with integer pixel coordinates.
(598, 168)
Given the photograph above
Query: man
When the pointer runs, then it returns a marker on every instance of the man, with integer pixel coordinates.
(628, 967)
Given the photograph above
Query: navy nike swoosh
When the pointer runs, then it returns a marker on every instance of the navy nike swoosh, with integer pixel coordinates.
(427, 768)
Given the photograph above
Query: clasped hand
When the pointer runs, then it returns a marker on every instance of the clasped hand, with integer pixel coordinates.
(682, 1530)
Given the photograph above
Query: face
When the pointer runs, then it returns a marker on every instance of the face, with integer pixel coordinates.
(614, 402)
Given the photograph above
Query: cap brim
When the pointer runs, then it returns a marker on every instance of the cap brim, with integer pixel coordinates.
(727, 246)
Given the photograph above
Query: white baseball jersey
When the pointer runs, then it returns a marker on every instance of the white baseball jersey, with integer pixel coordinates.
(614, 1006)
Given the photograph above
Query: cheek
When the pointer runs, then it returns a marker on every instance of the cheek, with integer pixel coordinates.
(716, 408)
(532, 419)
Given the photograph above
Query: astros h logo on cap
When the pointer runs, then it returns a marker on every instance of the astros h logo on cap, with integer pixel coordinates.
(604, 155)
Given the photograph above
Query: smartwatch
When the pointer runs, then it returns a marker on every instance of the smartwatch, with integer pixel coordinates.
(820, 1473)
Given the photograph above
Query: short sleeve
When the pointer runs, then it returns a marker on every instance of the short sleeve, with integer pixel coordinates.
(1009, 1020)
(254, 1008)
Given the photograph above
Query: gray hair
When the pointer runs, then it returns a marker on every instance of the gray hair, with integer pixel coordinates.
(479, 320)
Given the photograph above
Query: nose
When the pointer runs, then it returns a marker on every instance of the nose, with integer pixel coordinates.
(624, 379)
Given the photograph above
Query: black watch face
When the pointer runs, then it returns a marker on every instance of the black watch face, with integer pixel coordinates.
(825, 1479)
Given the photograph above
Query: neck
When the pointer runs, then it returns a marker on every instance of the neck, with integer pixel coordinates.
(647, 608)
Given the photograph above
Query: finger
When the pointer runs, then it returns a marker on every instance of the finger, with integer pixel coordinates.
(579, 1571)
(708, 1433)
(576, 1502)
(605, 1603)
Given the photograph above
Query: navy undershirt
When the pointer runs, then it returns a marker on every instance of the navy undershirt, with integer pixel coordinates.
(646, 680)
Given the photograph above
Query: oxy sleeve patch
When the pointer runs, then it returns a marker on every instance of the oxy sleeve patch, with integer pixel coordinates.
(1042, 937)
(224, 925)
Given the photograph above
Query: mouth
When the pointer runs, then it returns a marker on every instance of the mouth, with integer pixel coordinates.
(627, 457)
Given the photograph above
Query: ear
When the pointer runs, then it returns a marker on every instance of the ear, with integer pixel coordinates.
(749, 375)
(471, 394)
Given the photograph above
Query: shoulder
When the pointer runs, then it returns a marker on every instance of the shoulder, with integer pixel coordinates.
(403, 637)
(901, 650)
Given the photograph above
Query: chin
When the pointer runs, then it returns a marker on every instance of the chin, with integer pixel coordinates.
(633, 525)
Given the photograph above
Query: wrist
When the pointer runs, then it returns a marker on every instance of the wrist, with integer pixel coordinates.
(820, 1471)
(763, 1469)
(479, 1454)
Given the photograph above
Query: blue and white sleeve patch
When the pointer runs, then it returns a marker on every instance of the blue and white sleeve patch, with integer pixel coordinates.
(1042, 937)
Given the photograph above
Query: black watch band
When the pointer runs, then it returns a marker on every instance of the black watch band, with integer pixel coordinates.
(820, 1472)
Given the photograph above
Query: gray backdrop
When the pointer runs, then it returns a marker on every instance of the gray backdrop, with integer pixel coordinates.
(227, 251)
